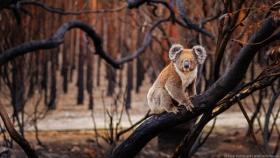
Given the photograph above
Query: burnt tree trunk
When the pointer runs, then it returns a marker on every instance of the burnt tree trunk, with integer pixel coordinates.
(44, 82)
(90, 70)
(65, 68)
(52, 101)
(80, 81)
(129, 81)
(139, 65)
(111, 77)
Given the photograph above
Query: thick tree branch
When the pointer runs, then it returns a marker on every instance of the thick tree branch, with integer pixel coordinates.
(135, 3)
(63, 12)
(155, 124)
(58, 38)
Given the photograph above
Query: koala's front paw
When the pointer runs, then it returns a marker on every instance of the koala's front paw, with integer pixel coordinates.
(188, 105)
(174, 110)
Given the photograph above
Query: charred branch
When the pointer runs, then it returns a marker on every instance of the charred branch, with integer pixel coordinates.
(187, 22)
(63, 12)
(58, 38)
(135, 3)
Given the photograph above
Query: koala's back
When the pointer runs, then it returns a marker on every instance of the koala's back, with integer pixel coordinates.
(168, 73)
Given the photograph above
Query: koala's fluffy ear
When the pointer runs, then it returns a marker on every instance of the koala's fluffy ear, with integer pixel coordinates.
(200, 53)
(174, 51)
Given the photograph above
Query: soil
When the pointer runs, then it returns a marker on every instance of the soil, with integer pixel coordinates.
(82, 144)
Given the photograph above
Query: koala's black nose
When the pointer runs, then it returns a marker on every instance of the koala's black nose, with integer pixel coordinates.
(186, 64)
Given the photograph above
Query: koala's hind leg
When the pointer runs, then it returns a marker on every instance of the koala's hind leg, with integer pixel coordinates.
(154, 101)
(166, 102)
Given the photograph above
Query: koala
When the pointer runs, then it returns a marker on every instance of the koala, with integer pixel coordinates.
(176, 82)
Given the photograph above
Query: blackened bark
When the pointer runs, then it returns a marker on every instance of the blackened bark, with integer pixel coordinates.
(120, 77)
(139, 65)
(16, 91)
(32, 77)
(65, 68)
(111, 77)
(45, 78)
(52, 99)
(80, 82)
(98, 75)
(135, 3)
(75, 49)
(140, 74)
(129, 78)
(90, 78)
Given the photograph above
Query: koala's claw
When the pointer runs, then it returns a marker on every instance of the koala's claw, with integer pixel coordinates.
(189, 106)
(175, 110)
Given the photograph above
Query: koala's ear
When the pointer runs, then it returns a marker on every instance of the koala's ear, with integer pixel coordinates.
(200, 53)
(174, 51)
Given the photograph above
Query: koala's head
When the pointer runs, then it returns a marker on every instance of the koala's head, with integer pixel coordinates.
(187, 59)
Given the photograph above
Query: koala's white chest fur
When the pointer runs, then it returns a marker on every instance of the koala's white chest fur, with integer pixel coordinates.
(186, 79)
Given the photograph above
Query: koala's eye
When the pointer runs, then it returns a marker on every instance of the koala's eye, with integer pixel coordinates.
(186, 64)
